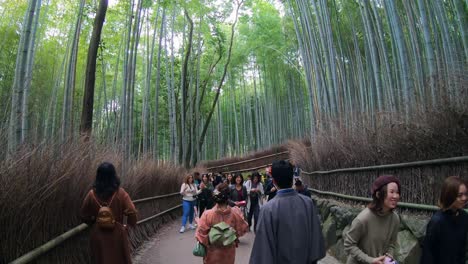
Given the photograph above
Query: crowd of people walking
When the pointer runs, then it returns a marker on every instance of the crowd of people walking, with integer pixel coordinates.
(279, 209)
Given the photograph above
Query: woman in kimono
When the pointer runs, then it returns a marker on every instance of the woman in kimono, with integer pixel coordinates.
(447, 230)
(255, 200)
(221, 212)
(109, 246)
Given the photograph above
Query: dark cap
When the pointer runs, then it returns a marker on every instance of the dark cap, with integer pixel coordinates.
(382, 181)
(298, 183)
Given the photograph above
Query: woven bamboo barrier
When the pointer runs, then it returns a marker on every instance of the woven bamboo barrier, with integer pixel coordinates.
(76, 236)
(420, 181)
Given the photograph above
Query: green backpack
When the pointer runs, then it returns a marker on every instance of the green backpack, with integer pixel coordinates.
(222, 234)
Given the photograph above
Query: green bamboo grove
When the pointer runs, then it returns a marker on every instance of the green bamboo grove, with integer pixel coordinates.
(192, 80)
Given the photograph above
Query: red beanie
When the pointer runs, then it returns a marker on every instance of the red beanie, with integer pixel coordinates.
(382, 181)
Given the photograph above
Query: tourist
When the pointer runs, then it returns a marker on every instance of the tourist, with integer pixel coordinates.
(188, 190)
(249, 179)
(239, 191)
(221, 212)
(255, 200)
(301, 189)
(288, 229)
(238, 195)
(447, 230)
(109, 245)
(270, 189)
(372, 237)
(217, 179)
(196, 179)
(205, 198)
(230, 181)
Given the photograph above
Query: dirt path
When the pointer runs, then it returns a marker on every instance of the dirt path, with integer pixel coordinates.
(169, 246)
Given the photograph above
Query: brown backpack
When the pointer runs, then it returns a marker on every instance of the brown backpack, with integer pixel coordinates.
(105, 218)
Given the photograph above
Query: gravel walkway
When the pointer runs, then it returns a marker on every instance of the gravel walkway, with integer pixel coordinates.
(169, 246)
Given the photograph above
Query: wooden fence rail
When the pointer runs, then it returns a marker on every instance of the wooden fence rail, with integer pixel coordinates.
(41, 250)
(252, 163)
(420, 181)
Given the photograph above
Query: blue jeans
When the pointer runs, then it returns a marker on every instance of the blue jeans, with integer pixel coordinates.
(187, 207)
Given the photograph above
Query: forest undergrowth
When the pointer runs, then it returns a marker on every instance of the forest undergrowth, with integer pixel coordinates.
(42, 187)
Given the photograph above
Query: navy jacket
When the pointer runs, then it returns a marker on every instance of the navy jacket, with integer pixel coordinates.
(445, 239)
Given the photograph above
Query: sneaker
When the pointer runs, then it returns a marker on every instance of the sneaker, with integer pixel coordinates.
(182, 229)
(192, 227)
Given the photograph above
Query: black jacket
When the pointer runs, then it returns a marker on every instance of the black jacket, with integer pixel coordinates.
(268, 191)
(445, 238)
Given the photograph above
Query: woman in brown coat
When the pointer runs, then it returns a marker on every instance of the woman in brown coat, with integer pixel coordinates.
(220, 212)
(109, 246)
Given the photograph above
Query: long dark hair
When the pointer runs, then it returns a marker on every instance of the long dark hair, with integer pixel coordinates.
(239, 175)
(106, 182)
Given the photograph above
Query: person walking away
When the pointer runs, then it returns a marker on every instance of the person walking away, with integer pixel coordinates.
(446, 232)
(372, 237)
(288, 229)
(217, 179)
(221, 212)
(270, 190)
(109, 242)
(301, 189)
(188, 190)
(297, 173)
(254, 192)
(205, 198)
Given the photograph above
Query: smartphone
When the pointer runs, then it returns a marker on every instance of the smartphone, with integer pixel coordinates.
(389, 260)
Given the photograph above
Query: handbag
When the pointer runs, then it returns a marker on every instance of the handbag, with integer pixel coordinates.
(199, 250)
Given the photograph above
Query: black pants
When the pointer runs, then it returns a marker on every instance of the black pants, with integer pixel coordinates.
(204, 205)
(253, 211)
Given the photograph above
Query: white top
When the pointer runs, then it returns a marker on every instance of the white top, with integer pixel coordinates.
(260, 190)
(188, 191)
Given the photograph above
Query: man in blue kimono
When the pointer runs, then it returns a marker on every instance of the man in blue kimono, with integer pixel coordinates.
(288, 230)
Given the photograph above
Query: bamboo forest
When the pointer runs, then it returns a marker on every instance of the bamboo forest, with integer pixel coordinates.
(185, 81)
